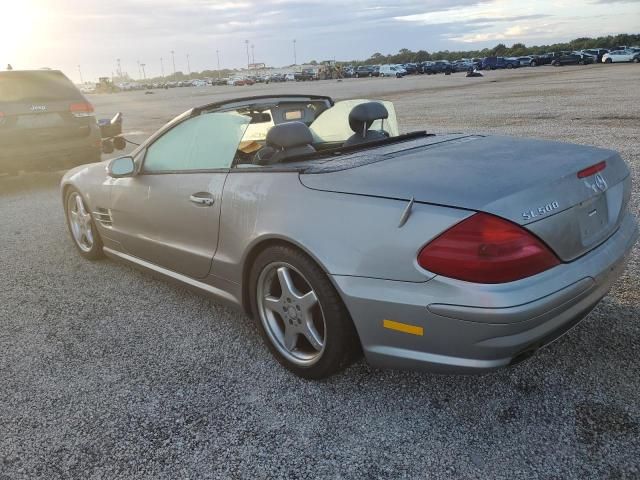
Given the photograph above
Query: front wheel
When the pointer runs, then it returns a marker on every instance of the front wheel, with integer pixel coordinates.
(608, 60)
(300, 315)
(83, 231)
(636, 60)
(534, 64)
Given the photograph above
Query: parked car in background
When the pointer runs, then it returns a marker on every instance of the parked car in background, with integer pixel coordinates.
(570, 58)
(438, 66)
(597, 53)
(305, 75)
(494, 63)
(544, 59)
(45, 122)
(391, 71)
(364, 71)
(410, 68)
(525, 61)
(620, 56)
(289, 77)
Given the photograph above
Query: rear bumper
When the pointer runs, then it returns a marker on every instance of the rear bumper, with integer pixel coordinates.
(52, 155)
(469, 328)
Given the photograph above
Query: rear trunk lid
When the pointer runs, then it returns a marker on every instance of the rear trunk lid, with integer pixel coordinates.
(35, 108)
(533, 183)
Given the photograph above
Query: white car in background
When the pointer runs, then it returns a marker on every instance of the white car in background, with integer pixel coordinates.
(289, 77)
(617, 56)
(392, 71)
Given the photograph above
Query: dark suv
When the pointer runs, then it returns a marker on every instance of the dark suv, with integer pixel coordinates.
(365, 71)
(45, 122)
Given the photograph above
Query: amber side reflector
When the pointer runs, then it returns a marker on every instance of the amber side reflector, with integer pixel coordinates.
(592, 170)
(403, 327)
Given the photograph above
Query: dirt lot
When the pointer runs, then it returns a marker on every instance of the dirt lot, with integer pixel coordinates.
(106, 372)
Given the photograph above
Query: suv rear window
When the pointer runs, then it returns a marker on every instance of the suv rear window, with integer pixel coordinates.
(36, 86)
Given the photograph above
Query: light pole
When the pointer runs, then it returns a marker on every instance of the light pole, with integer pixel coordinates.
(247, 44)
(119, 70)
(161, 68)
(173, 59)
(295, 59)
(218, 57)
(80, 72)
(144, 75)
(253, 54)
(139, 71)
(188, 65)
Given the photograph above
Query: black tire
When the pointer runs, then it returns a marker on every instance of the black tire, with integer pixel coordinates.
(608, 60)
(581, 62)
(509, 66)
(95, 253)
(534, 64)
(342, 345)
(357, 75)
(636, 60)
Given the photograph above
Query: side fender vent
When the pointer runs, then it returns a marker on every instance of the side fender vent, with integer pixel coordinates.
(103, 216)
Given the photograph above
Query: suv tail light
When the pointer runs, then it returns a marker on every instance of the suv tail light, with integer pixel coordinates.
(486, 249)
(83, 109)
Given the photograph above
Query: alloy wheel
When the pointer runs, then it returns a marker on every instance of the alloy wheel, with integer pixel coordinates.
(80, 222)
(291, 313)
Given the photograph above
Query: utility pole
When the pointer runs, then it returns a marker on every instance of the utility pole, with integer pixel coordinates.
(253, 54)
(247, 44)
(188, 65)
(119, 70)
(144, 75)
(80, 72)
(218, 57)
(161, 68)
(173, 59)
(139, 71)
(295, 59)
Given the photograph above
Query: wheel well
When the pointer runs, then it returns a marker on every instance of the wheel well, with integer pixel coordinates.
(261, 247)
(250, 259)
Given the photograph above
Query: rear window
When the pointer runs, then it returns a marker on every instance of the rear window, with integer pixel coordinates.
(36, 86)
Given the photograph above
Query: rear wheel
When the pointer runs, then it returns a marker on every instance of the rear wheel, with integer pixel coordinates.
(636, 60)
(83, 231)
(300, 314)
(509, 66)
(534, 64)
(608, 60)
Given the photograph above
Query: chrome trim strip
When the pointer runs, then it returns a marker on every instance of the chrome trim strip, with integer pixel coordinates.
(226, 296)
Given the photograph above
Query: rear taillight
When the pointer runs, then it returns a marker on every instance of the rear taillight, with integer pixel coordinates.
(592, 170)
(486, 249)
(83, 109)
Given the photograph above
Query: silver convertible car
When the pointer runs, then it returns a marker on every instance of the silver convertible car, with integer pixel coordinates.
(341, 236)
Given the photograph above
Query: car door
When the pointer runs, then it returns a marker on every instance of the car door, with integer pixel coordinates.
(168, 213)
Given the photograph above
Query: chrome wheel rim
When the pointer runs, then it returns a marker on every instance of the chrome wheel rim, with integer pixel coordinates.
(291, 314)
(80, 222)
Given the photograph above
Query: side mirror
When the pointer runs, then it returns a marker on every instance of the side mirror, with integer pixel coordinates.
(121, 167)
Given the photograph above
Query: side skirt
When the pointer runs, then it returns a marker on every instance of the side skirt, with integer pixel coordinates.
(178, 278)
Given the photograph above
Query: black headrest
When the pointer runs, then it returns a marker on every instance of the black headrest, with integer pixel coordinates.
(289, 135)
(366, 113)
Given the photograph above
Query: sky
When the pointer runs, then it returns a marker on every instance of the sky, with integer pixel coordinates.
(89, 36)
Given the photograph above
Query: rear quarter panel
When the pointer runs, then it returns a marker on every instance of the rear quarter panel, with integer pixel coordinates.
(346, 234)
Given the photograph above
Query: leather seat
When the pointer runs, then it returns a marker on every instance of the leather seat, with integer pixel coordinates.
(285, 141)
(361, 118)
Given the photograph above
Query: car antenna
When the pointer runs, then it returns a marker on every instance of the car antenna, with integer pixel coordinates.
(406, 213)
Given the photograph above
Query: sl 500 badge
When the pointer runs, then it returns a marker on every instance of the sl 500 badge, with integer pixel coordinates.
(540, 211)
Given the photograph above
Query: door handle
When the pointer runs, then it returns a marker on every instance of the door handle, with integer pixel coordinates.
(202, 198)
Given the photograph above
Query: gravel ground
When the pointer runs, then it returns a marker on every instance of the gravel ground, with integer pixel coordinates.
(106, 372)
